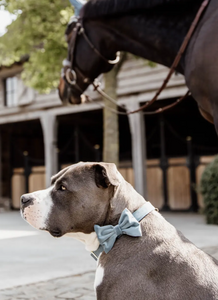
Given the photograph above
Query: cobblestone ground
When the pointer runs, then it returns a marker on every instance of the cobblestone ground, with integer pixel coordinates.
(72, 287)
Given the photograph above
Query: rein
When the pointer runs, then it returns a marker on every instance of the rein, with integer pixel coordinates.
(79, 30)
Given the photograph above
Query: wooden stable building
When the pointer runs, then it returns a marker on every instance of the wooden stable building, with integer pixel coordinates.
(162, 156)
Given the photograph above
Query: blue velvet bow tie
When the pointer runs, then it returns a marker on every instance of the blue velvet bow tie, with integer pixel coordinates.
(108, 234)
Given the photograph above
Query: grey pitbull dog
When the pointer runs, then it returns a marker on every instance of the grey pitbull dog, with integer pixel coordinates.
(160, 265)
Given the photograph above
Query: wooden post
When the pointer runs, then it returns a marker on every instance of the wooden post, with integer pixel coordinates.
(1, 169)
(192, 173)
(76, 144)
(26, 171)
(163, 163)
(137, 129)
(110, 120)
(49, 128)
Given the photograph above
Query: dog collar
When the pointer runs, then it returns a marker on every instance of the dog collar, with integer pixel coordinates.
(128, 224)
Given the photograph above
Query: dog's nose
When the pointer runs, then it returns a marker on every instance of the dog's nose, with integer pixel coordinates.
(26, 199)
(56, 232)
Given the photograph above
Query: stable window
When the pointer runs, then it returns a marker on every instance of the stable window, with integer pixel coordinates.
(11, 92)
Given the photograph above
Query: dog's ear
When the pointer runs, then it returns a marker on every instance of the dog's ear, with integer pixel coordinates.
(106, 174)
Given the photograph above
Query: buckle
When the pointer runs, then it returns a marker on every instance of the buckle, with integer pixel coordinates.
(94, 255)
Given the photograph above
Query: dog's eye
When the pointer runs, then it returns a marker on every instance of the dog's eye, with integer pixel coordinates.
(62, 188)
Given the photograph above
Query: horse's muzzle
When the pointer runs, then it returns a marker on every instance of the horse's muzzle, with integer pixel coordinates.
(68, 94)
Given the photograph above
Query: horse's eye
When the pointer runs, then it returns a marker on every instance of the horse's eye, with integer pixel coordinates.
(62, 188)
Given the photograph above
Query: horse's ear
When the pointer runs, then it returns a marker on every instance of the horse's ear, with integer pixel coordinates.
(106, 174)
(77, 4)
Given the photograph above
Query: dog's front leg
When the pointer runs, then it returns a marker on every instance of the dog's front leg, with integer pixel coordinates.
(98, 284)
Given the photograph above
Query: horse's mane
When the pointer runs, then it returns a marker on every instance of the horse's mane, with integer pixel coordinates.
(100, 8)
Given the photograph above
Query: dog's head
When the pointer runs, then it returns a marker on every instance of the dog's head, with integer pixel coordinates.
(77, 199)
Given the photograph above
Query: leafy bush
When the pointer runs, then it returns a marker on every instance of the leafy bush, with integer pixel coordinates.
(209, 190)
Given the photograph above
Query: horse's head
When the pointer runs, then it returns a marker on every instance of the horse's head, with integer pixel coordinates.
(88, 57)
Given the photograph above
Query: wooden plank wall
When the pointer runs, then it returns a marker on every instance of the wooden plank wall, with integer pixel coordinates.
(178, 182)
(18, 186)
(37, 182)
(136, 76)
(37, 179)
(154, 183)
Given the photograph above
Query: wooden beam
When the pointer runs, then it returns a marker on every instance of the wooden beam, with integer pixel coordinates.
(61, 110)
(137, 129)
(1, 201)
(49, 128)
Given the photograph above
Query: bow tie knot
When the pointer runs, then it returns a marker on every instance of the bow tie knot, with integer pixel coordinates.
(118, 230)
(108, 234)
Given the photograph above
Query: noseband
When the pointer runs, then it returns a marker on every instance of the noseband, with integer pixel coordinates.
(69, 71)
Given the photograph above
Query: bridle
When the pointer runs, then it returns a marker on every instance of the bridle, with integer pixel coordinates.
(71, 70)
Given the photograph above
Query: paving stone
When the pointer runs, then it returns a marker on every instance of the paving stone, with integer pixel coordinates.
(27, 297)
(9, 292)
(61, 289)
(71, 287)
(69, 295)
(87, 298)
(4, 297)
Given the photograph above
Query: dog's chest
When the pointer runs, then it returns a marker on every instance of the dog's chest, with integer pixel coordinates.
(99, 275)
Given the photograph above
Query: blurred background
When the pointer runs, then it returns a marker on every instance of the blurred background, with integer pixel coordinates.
(39, 135)
(163, 156)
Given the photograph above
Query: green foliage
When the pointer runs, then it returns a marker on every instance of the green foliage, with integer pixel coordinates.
(151, 64)
(148, 63)
(209, 190)
(39, 32)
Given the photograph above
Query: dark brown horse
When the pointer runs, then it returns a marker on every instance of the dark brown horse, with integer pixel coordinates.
(152, 29)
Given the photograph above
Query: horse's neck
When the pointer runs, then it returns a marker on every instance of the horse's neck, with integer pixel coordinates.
(155, 36)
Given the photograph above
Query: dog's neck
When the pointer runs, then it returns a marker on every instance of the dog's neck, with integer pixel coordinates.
(89, 239)
(125, 196)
